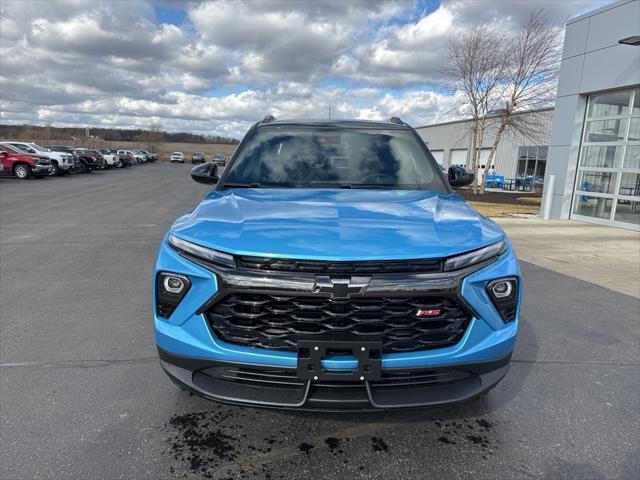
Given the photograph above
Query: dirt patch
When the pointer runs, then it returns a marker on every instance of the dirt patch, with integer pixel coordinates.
(499, 204)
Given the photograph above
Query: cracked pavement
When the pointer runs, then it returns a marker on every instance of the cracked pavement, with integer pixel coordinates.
(82, 395)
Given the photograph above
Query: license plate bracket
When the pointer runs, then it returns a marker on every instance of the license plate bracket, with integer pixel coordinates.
(311, 353)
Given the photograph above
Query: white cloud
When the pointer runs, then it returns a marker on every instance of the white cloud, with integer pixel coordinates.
(74, 62)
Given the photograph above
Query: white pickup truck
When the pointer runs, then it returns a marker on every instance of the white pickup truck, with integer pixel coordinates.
(111, 158)
(61, 162)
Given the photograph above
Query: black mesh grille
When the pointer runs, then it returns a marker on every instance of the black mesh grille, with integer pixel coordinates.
(276, 321)
(362, 267)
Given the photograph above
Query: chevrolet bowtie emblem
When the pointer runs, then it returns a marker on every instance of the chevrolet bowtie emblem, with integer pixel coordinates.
(341, 288)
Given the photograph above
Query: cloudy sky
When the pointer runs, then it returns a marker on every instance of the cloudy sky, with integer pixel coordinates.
(215, 67)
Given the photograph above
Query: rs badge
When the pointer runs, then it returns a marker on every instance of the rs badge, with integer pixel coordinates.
(428, 313)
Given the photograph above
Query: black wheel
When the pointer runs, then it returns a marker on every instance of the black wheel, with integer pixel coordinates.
(82, 167)
(22, 171)
(55, 170)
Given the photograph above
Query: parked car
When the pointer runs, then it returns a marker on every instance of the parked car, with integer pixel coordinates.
(111, 158)
(89, 161)
(197, 157)
(140, 156)
(334, 268)
(128, 157)
(23, 165)
(100, 161)
(219, 160)
(177, 157)
(66, 149)
(61, 161)
(151, 157)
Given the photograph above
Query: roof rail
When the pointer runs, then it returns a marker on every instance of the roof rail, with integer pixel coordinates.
(396, 120)
(268, 119)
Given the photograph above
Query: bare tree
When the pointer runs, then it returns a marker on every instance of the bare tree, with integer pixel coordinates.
(530, 79)
(151, 137)
(476, 66)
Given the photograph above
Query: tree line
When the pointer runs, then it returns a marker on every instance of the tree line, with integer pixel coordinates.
(111, 134)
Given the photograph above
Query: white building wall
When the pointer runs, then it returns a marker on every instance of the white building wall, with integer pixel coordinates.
(455, 137)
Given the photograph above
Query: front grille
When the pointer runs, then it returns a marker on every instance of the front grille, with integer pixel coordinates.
(323, 267)
(277, 321)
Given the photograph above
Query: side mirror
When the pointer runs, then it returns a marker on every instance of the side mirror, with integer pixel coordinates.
(3, 153)
(206, 173)
(459, 176)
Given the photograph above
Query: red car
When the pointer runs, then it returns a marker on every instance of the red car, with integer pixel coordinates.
(23, 165)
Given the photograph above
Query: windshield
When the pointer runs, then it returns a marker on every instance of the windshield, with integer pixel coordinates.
(11, 148)
(38, 147)
(315, 157)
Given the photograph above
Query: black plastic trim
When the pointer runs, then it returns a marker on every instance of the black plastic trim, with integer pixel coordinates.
(348, 397)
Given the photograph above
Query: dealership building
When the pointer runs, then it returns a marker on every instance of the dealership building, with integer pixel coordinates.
(590, 142)
(594, 152)
(520, 154)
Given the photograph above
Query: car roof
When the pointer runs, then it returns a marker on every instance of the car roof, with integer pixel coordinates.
(377, 124)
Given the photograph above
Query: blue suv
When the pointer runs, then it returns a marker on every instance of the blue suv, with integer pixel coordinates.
(332, 267)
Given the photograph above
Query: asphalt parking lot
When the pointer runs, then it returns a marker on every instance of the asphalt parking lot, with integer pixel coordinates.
(82, 394)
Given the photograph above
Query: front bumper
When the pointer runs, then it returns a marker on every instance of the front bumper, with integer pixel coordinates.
(41, 169)
(479, 359)
(264, 386)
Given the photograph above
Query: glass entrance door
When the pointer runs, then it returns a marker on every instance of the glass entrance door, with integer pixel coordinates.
(607, 188)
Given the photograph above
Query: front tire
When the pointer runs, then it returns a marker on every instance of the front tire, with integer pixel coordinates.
(21, 171)
(55, 170)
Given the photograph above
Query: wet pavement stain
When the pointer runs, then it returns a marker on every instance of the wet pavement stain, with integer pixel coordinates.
(476, 432)
(200, 445)
(305, 447)
(446, 440)
(379, 445)
(334, 445)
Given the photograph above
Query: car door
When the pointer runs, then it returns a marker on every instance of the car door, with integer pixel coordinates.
(5, 159)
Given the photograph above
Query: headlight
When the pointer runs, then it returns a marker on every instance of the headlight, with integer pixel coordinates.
(204, 253)
(475, 256)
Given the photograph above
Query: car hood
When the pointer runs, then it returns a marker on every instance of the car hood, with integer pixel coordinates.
(336, 224)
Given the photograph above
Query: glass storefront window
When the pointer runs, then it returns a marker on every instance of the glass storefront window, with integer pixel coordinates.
(597, 182)
(601, 157)
(596, 207)
(609, 104)
(636, 103)
(532, 163)
(608, 178)
(628, 212)
(630, 184)
(632, 157)
(540, 168)
(634, 130)
(606, 130)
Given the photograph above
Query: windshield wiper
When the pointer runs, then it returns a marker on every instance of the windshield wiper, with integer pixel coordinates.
(367, 185)
(241, 185)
